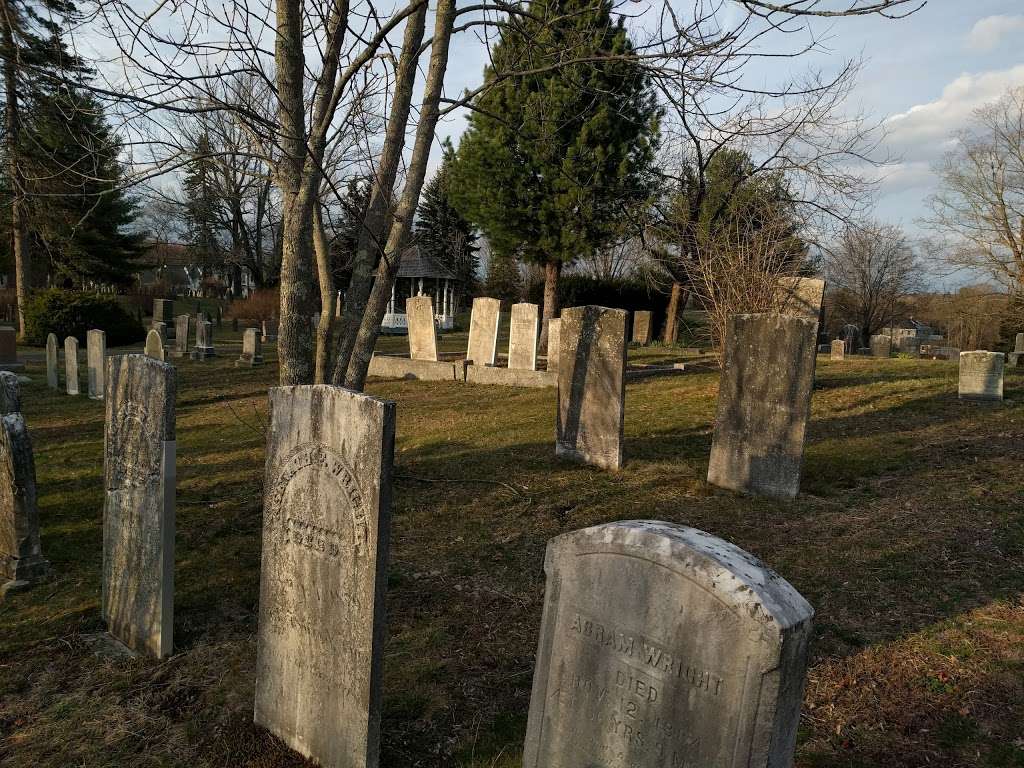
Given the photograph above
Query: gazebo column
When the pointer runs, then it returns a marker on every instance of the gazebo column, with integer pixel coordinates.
(391, 304)
(421, 288)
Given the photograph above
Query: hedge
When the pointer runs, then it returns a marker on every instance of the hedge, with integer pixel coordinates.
(70, 313)
(576, 290)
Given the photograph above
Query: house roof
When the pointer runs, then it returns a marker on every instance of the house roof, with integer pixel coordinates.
(166, 254)
(415, 263)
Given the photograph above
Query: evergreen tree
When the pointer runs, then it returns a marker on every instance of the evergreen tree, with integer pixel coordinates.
(503, 278)
(443, 233)
(352, 207)
(550, 161)
(203, 207)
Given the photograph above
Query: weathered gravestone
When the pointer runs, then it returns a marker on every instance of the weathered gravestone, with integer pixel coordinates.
(9, 350)
(419, 312)
(524, 332)
(71, 364)
(326, 517)
(52, 379)
(161, 328)
(252, 352)
(1013, 359)
(591, 386)
(21, 558)
(981, 375)
(155, 345)
(182, 326)
(95, 359)
(881, 345)
(554, 343)
(801, 296)
(838, 350)
(204, 341)
(270, 330)
(138, 513)
(642, 327)
(662, 646)
(482, 348)
(10, 393)
(163, 312)
(764, 401)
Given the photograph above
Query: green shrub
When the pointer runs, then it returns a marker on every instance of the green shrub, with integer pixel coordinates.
(575, 290)
(69, 313)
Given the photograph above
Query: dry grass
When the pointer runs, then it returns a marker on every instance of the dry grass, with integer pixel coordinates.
(908, 540)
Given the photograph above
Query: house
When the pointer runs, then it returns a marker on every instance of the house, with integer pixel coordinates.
(172, 267)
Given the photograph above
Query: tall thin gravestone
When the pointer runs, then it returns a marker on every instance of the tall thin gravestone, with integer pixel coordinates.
(163, 312)
(182, 325)
(10, 393)
(9, 350)
(71, 364)
(554, 344)
(204, 341)
(96, 355)
(326, 518)
(138, 513)
(419, 312)
(642, 327)
(591, 386)
(662, 646)
(981, 376)
(764, 401)
(252, 353)
(270, 330)
(482, 348)
(52, 361)
(523, 335)
(21, 557)
(155, 345)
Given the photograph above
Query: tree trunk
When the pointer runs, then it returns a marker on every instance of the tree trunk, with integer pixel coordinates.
(321, 249)
(398, 237)
(19, 214)
(674, 313)
(552, 272)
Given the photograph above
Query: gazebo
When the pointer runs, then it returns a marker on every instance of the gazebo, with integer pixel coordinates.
(420, 275)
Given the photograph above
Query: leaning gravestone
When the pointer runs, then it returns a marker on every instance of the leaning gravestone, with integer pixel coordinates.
(181, 336)
(323, 575)
(71, 364)
(482, 348)
(204, 341)
(881, 345)
(981, 375)
(419, 312)
(838, 349)
(21, 558)
(801, 296)
(252, 354)
(764, 401)
(96, 367)
(591, 386)
(642, 327)
(662, 646)
(523, 335)
(138, 514)
(155, 345)
(9, 350)
(10, 393)
(554, 343)
(52, 379)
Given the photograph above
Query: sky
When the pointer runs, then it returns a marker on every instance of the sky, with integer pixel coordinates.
(922, 76)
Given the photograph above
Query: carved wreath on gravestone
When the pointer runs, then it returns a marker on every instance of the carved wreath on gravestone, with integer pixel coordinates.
(133, 447)
(304, 524)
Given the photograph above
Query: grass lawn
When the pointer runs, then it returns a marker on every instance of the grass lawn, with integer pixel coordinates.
(908, 540)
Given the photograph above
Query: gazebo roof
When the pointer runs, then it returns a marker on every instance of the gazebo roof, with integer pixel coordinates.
(415, 263)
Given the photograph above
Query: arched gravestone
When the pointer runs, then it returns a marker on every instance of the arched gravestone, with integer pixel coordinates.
(326, 515)
(154, 345)
(662, 646)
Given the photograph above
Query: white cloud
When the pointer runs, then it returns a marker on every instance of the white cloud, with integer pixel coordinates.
(988, 33)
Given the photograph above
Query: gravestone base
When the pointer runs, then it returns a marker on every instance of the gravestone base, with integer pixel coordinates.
(26, 574)
(249, 361)
(510, 377)
(394, 367)
(202, 353)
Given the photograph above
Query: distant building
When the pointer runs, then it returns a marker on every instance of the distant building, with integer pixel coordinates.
(171, 265)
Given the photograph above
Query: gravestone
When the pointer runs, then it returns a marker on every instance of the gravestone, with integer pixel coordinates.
(9, 350)
(838, 350)
(881, 345)
(523, 335)
(234, 324)
(71, 364)
(96, 367)
(764, 401)
(642, 327)
(155, 345)
(1013, 359)
(181, 336)
(554, 343)
(10, 393)
(326, 518)
(419, 313)
(52, 378)
(591, 386)
(801, 296)
(981, 375)
(138, 512)
(252, 352)
(163, 312)
(204, 341)
(269, 330)
(662, 646)
(21, 557)
(482, 348)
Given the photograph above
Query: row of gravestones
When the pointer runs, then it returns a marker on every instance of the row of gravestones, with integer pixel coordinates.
(660, 645)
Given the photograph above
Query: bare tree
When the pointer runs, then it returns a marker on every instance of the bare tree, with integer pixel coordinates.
(980, 204)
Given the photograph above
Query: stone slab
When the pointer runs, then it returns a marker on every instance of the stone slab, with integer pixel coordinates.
(510, 377)
(419, 312)
(182, 332)
(252, 351)
(662, 646)
(96, 357)
(981, 375)
(524, 333)
(393, 367)
(138, 512)
(270, 330)
(801, 296)
(482, 348)
(204, 341)
(71, 364)
(838, 349)
(10, 393)
(642, 327)
(554, 349)
(591, 386)
(52, 361)
(21, 558)
(881, 345)
(764, 402)
(326, 519)
(163, 312)
(1018, 343)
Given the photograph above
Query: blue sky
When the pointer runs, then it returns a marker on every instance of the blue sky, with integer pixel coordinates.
(923, 76)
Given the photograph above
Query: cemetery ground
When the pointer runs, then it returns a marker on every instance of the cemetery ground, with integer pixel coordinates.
(907, 538)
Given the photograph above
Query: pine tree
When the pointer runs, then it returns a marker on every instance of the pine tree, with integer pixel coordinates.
(203, 210)
(352, 207)
(550, 179)
(503, 278)
(443, 233)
